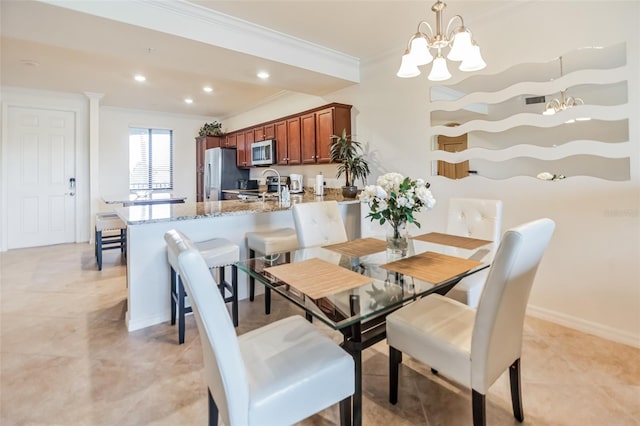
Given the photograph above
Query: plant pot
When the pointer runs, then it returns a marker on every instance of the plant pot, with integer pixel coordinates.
(349, 191)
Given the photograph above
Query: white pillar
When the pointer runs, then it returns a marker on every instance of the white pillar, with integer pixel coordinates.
(94, 155)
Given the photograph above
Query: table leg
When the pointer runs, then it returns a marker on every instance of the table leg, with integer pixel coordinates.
(356, 353)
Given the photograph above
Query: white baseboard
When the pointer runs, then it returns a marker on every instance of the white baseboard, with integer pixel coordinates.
(585, 326)
(146, 322)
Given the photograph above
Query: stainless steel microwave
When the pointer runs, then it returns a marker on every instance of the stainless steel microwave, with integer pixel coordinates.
(263, 153)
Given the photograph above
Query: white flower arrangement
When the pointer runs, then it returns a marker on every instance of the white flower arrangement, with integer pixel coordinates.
(395, 198)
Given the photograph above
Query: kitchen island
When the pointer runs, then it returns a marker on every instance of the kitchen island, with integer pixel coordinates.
(147, 267)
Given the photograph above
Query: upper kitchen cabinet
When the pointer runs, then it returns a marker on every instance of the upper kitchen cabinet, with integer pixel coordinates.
(293, 145)
(231, 140)
(263, 133)
(243, 146)
(243, 150)
(209, 142)
(302, 138)
(317, 128)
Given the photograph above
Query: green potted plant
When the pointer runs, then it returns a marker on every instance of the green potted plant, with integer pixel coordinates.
(211, 129)
(348, 153)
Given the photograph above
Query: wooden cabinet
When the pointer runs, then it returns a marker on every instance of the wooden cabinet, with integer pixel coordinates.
(243, 146)
(308, 138)
(303, 138)
(231, 140)
(287, 134)
(269, 131)
(282, 139)
(294, 135)
(242, 153)
(317, 129)
(263, 133)
(215, 141)
(201, 147)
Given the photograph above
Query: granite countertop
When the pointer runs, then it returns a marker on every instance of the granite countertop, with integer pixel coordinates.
(138, 215)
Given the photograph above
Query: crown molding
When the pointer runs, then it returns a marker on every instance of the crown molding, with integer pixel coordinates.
(188, 20)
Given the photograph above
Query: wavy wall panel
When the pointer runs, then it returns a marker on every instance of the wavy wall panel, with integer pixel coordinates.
(512, 143)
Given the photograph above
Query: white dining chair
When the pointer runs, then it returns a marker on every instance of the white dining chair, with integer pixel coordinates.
(319, 224)
(474, 218)
(278, 374)
(474, 347)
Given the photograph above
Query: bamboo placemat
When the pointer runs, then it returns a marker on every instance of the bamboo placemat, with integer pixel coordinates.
(359, 247)
(317, 278)
(452, 240)
(432, 267)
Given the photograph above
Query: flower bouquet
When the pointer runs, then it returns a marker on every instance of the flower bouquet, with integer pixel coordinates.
(394, 199)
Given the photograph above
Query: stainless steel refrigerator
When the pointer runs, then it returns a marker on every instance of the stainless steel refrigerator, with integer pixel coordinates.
(221, 172)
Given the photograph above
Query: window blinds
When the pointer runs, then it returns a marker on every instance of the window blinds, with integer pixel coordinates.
(150, 159)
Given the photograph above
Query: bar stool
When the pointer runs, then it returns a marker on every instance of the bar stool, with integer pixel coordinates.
(269, 243)
(218, 253)
(115, 235)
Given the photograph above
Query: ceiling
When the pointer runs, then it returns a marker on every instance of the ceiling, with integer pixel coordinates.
(49, 47)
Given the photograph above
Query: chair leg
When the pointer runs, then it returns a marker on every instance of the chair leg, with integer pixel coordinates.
(99, 249)
(173, 295)
(252, 281)
(213, 410)
(478, 405)
(267, 300)
(516, 392)
(395, 358)
(345, 412)
(181, 308)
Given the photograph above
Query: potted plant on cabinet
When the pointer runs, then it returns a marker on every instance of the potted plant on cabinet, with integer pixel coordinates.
(211, 129)
(348, 153)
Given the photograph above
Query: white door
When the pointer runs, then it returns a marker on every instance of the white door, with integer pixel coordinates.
(41, 177)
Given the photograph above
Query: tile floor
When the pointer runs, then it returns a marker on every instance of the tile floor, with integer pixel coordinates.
(66, 358)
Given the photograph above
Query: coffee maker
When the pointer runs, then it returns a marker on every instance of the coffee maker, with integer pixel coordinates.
(296, 183)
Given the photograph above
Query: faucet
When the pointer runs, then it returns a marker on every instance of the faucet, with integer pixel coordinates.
(277, 174)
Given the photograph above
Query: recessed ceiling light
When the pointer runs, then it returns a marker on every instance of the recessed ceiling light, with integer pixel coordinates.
(189, 100)
(263, 75)
(140, 77)
(207, 89)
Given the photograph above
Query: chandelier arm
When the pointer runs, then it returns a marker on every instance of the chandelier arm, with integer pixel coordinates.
(448, 33)
(555, 104)
(429, 36)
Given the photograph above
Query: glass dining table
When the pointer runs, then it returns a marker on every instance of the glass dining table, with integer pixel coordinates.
(376, 283)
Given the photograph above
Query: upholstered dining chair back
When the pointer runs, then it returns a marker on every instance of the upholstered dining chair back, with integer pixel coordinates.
(225, 373)
(497, 332)
(319, 224)
(475, 218)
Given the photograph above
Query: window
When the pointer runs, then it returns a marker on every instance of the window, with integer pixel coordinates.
(150, 160)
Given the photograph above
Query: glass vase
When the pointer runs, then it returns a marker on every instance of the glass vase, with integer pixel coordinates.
(397, 242)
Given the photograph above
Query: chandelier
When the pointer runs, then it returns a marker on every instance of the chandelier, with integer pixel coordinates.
(461, 46)
(564, 102)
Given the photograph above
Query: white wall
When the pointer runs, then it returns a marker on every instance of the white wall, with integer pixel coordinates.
(590, 276)
(114, 148)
